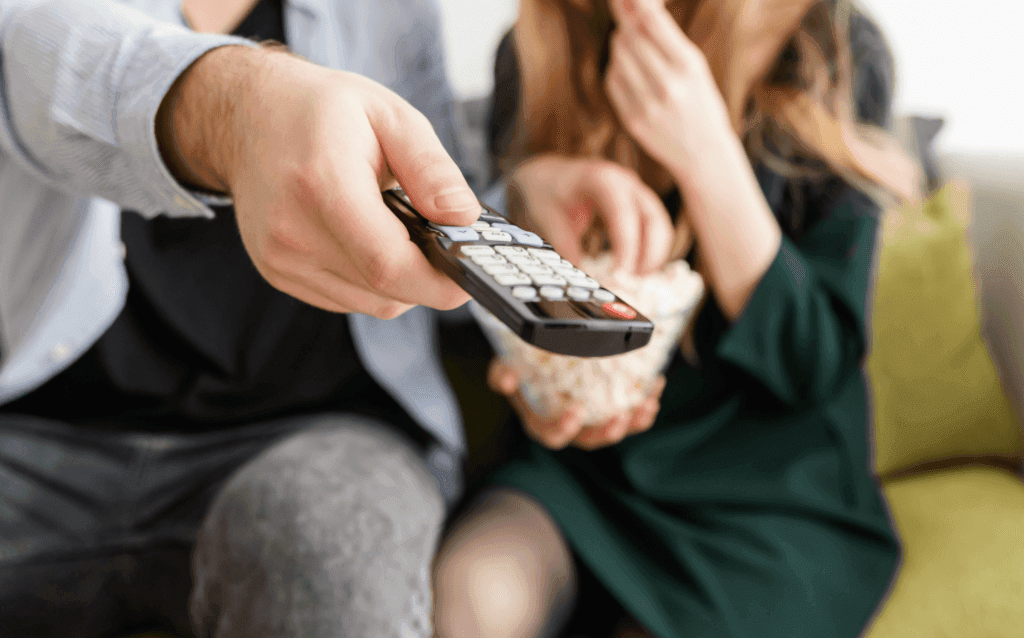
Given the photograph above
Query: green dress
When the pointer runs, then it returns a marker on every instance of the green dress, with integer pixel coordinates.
(748, 509)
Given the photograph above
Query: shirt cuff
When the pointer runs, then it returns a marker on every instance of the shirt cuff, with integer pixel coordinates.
(172, 52)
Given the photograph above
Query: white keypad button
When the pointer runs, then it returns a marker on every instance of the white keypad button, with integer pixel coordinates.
(569, 272)
(536, 269)
(524, 292)
(486, 260)
(458, 233)
(545, 255)
(494, 235)
(583, 282)
(500, 269)
(549, 280)
(551, 292)
(577, 293)
(523, 260)
(526, 237)
(479, 226)
(603, 295)
(518, 279)
(511, 250)
(476, 250)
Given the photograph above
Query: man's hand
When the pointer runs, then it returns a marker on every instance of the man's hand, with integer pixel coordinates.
(561, 197)
(305, 152)
(566, 429)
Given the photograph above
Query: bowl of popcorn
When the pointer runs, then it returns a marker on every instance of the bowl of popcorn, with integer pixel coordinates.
(604, 386)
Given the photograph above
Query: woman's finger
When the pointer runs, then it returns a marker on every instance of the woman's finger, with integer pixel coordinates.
(649, 60)
(644, 416)
(639, 74)
(559, 433)
(656, 229)
(619, 91)
(501, 378)
(650, 18)
(597, 437)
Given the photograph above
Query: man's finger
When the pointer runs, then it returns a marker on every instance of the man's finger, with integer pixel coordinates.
(422, 166)
(378, 245)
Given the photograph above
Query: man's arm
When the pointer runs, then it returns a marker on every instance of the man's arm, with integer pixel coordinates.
(81, 85)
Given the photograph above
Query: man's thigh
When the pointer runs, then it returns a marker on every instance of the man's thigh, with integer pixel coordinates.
(98, 526)
(330, 533)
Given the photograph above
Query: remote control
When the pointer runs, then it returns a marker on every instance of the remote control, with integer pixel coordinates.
(523, 282)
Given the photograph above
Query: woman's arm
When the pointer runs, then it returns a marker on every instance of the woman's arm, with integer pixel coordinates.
(794, 308)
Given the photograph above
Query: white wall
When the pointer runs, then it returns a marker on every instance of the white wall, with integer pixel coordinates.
(473, 30)
(957, 59)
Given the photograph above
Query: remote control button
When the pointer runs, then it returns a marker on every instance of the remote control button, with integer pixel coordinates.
(478, 226)
(527, 238)
(523, 260)
(493, 235)
(619, 309)
(511, 250)
(603, 295)
(544, 254)
(569, 272)
(551, 292)
(521, 236)
(565, 263)
(458, 233)
(577, 293)
(486, 260)
(505, 226)
(500, 269)
(549, 280)
(583, 282)
(517, 279)
(476, 250)
(536, 269)
(524, 292)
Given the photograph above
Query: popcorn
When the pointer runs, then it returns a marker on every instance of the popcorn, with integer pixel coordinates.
(604, 386)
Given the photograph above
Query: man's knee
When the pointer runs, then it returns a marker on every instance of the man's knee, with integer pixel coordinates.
(332, 527)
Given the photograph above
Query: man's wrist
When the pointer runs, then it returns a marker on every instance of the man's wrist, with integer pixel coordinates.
(198, 121)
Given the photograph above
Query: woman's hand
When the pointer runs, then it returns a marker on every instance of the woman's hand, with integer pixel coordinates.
(562, 197)
(663, 91)
(666, 97)
(568, 428)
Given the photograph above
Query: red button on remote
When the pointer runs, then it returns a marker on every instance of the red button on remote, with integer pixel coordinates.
(619, 309)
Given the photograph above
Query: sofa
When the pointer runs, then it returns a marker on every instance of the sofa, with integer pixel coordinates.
(947, 375)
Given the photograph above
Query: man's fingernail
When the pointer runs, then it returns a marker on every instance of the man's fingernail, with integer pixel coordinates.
(628, 6)
(453, 200)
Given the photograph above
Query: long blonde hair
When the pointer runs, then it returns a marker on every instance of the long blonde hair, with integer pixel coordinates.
(796, 115)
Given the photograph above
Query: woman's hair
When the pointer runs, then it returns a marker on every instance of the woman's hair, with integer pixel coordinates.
(797, 118)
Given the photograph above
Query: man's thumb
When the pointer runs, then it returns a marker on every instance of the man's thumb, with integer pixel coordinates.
(423, 168)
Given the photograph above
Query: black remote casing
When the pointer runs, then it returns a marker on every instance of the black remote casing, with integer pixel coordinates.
(564, 326)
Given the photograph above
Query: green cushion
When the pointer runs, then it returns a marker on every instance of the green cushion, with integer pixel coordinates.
(936, 391)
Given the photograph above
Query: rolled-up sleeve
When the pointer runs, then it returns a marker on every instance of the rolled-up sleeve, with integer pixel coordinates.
(802, 333)
(81, 85)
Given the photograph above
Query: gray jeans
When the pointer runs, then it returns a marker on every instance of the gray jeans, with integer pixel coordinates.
(318, 527)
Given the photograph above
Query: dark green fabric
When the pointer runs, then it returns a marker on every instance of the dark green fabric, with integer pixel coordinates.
(747, 510)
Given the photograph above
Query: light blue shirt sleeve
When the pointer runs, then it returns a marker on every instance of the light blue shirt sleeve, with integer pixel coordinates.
(81, 84)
